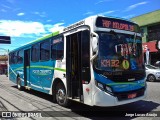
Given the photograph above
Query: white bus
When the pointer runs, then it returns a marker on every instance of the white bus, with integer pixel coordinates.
(97, 61)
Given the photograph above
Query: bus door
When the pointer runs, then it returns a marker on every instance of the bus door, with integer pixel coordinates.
(77, 63)
(26, 66)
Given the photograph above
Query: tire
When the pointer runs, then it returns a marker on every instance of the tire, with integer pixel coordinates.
(61, 96)
(19, 86)
(151, 78)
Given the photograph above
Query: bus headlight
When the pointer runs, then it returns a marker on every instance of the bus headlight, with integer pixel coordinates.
(100, 85)
(108, 89)
(104, 87)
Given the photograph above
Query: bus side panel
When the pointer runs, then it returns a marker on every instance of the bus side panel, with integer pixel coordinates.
(12, 73)
(14, 70)
(47, 77)
(34, 76)
(41, 75)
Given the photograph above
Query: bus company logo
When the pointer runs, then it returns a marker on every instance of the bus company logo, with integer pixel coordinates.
(42, 72)
(131, 79)
(112, 73)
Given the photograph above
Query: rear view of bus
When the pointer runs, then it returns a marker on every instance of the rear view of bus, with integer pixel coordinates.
(118, 65)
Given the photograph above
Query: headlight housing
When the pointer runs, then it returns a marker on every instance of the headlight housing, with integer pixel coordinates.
(100, 85)
(158, 73)
(104, 87)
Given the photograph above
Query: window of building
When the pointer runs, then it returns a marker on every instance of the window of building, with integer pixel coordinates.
(57, 49)
(154, 32)
(142, 32)
(20, 57)
(35, 53)
(45, 51)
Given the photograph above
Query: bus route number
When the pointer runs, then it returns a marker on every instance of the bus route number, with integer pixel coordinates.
(109, 63)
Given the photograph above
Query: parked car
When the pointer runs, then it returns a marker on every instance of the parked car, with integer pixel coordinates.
(157, 64)
(152, 73)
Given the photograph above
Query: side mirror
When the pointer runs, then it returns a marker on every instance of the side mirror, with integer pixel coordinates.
(95, 42)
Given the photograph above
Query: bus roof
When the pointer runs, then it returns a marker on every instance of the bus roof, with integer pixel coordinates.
(71, 25)
(37, 40)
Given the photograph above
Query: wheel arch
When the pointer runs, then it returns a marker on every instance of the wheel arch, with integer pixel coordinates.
(55, 82)
(150, 74)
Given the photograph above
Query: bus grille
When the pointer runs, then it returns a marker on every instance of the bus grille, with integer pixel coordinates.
(126, 76)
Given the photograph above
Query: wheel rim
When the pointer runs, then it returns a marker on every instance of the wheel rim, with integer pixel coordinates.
(60, 95)
(151, 78)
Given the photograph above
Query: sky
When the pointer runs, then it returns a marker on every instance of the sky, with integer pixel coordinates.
(27, 20)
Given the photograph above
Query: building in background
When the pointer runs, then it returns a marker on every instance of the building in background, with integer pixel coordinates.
(4, 54)
(3, 64)
(150, 28)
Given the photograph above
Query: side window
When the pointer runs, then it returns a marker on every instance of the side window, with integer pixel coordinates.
(45, 51)
(53, 52)
(35, 53)
(10, 58)
(13, 58)
(20, 57)
(57, 49)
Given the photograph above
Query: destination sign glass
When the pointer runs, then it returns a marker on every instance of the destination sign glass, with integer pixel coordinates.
(116, 24)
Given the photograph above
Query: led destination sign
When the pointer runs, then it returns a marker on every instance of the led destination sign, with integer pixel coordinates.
(116, 24)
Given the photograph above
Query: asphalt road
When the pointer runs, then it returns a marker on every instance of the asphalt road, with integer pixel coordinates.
(35, 104)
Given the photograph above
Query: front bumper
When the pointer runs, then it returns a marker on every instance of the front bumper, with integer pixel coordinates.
(157, 76)
(103, 99)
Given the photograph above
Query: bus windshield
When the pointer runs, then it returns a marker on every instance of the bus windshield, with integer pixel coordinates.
(119, 52)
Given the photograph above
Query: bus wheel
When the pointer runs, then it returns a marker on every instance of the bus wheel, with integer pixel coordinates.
(19, 86)
(61, 96)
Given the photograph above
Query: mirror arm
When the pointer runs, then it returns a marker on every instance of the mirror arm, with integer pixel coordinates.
(94, 56)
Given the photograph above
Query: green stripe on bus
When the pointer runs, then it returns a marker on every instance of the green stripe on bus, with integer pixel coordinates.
(59, 69)
(45, 67)
(16, 69)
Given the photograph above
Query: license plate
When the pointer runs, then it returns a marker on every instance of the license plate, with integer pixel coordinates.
(133, 95)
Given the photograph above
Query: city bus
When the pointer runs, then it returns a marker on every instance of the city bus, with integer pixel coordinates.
(97, 61)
